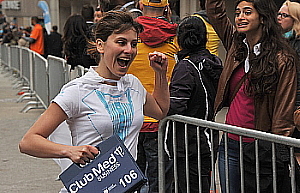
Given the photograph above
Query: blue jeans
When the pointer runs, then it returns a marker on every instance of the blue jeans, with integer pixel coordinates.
(266, 178)
(147, 160)
(233, 166)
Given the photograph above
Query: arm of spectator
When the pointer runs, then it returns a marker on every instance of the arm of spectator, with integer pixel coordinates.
(29, 39)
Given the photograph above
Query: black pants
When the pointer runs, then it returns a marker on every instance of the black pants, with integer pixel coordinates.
(193, 174)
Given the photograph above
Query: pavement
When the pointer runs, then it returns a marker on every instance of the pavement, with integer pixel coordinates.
(20, 173)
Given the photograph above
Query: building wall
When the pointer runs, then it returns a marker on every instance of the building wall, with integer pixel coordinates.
(60, 10)
(26, 11)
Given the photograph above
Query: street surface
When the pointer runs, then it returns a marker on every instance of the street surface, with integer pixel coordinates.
(20, 173)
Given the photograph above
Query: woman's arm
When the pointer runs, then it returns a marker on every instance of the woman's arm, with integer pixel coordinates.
(216, 12)
(157, 104)
(284, 104)
(35, 141)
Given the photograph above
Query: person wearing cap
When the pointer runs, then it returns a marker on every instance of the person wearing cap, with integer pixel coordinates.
(158, 35)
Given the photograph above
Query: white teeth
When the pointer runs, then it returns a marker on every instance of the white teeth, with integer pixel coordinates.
(242, 24)
(125, 59)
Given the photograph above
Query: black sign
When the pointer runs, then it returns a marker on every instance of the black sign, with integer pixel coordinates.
(112, 171)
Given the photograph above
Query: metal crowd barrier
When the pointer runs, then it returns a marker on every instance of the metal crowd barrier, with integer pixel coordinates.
(39, 80)
(223, 128)
(4, 55)
(26, 60)
(58, 75)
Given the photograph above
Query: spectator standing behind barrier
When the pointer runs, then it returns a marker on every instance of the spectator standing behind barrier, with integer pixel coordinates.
(75, 38)
(193, 89)
(158, 35)
(36, 38)
(119, 99)
(213, 40)
(26, 33)
(87, 13)
(8, 37)
(258, 83)
(174, 17)
(289, 19)
(54, 43)
(97, 14)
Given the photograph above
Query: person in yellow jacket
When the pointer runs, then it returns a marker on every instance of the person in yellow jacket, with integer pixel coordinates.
(213, 39)
(158, 35)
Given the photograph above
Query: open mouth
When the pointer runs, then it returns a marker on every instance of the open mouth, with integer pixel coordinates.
(123, 62)
(243, 24)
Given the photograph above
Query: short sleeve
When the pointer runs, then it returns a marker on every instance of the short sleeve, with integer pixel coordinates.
(137, 85)
(68, 100)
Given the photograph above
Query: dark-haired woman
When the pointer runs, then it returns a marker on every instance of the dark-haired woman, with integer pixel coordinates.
(192, 90)
(104, 101)
(258, 84)
(75, 39)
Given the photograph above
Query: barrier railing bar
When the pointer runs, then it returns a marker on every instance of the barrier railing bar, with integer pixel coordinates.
(235, 130)
(258, 135)
(242, 164)
(199, 159)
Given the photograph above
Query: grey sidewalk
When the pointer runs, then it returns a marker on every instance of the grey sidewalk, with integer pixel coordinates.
(19, 172)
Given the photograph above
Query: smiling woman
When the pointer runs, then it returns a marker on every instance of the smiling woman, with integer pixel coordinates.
(106, 100)
(117, 52)
(258, 84)
(248, 20)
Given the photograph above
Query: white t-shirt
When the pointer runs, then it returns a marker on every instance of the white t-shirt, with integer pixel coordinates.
(97, 110)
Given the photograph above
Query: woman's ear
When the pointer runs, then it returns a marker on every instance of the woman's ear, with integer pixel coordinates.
(100, 46)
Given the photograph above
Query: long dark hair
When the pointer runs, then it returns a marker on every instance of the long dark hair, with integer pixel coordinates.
(191, 36)
(74, 35)
(263, 75)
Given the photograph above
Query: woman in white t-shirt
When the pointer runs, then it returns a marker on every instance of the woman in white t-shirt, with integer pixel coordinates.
(106, 100)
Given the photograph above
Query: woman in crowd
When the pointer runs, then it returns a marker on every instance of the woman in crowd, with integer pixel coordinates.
(258, 84)
(75, 39)
(289, 19)
(192, 90)
(105, 101)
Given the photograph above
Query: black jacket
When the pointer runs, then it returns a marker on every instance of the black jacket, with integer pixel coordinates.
(54, 44)
(192, 90)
